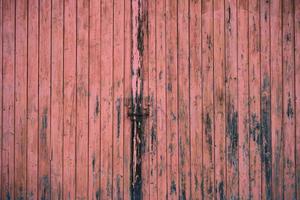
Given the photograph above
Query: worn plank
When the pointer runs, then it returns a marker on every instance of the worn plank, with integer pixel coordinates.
(243, 99)
(57, 100)
(145, 78)
(118, 99)
(94, 100)
(44, 99)
(172, 99)
(183, 100)
(219, 99)
(232, 135)
(127, 92)
(106, 99)
(276, 98)
(8, 72)
(161, 99)
(20, 99)
(254, 101)
(32, 106)
(288, 59)
(1, 92)
(69, 139)
(265, 89)
(153, 187)
(297, 91)
(82, 96)
(196, 98)
(207, 181)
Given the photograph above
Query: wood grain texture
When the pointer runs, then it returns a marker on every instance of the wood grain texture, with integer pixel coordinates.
(243, 99)
(220, 80)
(57, 100)
(32, 104)
(94, 100)
(183, 101)
(208, 138)
(69, 139)
(276, 99)
(196, 98)
(20, 99)
(172, 99)
(8, 100)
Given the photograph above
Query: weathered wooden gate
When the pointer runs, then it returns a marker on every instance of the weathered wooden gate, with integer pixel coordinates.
(150, 99)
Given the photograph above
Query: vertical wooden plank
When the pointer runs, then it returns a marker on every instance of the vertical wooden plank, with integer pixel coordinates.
(33, 91)
(161, 99)
(265, 89)
(1, 91)
(8, 134)
(57, 100)
(288, 100)
(208, 101)
(183, 100)
(172, 99)
(231, 99)
(243, 99)
(106, 98)
(153, 189)
(20, 99)
(82, 93)
(94, 100)
(127, 92)
(44, 98)
(254, 100)
(276, 98)
(69, 99)
(297, 92)
(118, 99)
(196, 98)
(146, 136)
(219, 98)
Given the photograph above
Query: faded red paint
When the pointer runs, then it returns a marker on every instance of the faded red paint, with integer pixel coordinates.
(149, 99)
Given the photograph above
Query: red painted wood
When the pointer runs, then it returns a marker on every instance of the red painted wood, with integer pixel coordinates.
(172, 99)
(127, 92)
(94, 100)
(183, 101)
(147, 133)
(243, 98)
(265, 94)
(297, 91)
(153, 187)
(161, 103)
(69, 139)
(57, 100)
(231, 99)
(32, 101)
(20, 99)
(196, 98)
(44, 99)
(222, 80)
(1, 93)
(8, 99)
(106, 62)
(219, 99)
(82, 91)
(254, 100)
(276, 98)
(208, 100)
(288, 60)
(118, 99)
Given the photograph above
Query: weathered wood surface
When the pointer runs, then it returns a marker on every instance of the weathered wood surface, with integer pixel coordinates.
(220, 79)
